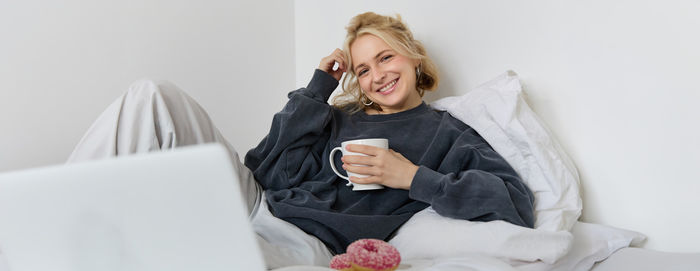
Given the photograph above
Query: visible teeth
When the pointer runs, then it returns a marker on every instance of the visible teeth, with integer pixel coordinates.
(387, 87)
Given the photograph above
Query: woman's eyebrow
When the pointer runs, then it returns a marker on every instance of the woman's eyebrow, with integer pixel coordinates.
(380, 53)
(375, 57)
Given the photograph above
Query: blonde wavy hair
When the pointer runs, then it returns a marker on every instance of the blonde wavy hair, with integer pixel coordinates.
(397, 35)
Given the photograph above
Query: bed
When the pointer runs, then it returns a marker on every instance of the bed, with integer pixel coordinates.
(559, 241)
(498, 111)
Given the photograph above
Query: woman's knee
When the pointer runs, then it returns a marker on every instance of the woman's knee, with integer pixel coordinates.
(147, 89)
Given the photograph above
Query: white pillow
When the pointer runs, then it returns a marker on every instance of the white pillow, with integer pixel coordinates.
(592, 243)
(498, 112)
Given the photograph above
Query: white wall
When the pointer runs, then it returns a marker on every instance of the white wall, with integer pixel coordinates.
(615, 80)
(63, 62)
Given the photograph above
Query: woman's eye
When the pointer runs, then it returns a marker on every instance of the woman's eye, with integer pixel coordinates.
(362, 72)
(387, 57)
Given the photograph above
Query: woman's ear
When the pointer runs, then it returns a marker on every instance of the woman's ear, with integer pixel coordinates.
(416, 62)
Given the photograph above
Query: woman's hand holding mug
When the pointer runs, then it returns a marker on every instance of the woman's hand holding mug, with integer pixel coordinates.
(383, 166)
(371, 165)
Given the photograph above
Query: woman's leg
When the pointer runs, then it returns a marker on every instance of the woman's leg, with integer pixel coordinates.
(283, 244)
(154, 116)
(158, 116)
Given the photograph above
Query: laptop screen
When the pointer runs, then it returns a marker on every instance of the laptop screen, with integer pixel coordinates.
(177, 210)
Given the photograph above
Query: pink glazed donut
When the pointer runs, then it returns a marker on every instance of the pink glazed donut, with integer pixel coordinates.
(373, 254)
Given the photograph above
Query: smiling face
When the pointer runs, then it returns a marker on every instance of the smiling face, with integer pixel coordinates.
(386, 77)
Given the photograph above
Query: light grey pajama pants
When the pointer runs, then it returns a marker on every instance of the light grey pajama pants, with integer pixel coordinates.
(158, 116)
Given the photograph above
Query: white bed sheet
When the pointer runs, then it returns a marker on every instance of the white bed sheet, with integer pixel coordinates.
(639, 259)
(3, 263)
(592, 243)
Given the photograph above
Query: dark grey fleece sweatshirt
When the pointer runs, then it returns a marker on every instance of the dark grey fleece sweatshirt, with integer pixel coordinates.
(460, 175)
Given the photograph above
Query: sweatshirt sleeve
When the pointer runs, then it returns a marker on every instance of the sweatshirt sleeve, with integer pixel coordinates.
(487, 188)
(290, 151)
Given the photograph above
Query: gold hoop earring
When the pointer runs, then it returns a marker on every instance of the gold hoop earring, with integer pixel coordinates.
(364, 97)
(418, 72)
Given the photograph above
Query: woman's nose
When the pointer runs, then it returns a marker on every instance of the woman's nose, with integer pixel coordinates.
(378, 75)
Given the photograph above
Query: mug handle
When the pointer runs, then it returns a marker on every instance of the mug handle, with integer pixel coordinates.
(330, 158)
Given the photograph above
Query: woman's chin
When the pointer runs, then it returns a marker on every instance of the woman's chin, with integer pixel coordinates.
(388, 108)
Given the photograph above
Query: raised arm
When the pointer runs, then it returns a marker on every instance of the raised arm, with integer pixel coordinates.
(289, 153)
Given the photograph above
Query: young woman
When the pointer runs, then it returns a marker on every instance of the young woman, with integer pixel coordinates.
(301, 210)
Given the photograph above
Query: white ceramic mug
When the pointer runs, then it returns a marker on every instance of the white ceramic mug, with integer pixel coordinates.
(377, 142)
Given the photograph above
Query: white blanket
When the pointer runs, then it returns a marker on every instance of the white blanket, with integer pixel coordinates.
(591, 243)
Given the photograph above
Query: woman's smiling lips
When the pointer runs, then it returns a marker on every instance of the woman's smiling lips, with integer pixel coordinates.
(388, 88)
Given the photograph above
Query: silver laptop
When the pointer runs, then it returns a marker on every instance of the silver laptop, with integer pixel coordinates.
(177, 210)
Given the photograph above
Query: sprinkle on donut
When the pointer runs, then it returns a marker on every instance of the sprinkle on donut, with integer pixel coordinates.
(341, 262)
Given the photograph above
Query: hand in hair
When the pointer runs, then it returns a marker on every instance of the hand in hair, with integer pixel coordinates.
(328, 62)
(385, 167)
